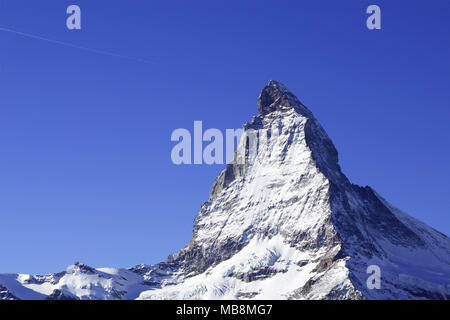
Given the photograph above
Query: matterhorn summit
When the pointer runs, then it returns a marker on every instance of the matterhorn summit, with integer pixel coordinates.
(282, 222)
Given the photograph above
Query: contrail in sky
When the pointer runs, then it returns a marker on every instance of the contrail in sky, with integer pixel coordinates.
(33, 36)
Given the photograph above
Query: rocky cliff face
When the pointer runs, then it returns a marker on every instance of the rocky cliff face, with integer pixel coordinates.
(282, 222)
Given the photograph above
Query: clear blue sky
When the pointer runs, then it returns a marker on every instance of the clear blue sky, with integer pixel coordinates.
(85, 168)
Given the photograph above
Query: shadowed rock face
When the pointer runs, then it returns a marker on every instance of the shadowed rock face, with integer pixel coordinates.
(281, 221)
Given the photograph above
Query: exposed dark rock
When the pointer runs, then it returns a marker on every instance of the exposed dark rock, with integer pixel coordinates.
(60, 295)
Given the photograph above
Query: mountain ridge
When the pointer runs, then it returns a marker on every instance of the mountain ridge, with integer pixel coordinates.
(282, 222)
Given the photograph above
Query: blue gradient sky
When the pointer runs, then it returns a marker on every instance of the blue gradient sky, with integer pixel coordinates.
(85, 168)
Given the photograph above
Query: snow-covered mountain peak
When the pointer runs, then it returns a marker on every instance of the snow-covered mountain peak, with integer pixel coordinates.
(282, 222)
(275, 96)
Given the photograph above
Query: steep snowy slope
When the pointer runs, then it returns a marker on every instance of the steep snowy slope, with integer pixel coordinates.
(282, 222)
